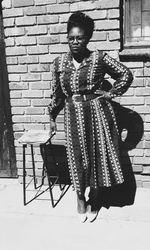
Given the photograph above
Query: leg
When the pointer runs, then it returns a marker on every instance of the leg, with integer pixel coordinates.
(81, 203)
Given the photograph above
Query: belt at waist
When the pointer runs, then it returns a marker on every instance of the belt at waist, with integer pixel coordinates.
(81, 98)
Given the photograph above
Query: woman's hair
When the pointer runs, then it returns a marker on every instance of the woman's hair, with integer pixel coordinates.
(79, 19)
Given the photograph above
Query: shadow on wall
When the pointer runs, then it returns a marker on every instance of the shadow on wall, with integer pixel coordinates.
(7, 149)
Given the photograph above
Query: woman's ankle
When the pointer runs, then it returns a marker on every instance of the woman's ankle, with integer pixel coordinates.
(81, 205)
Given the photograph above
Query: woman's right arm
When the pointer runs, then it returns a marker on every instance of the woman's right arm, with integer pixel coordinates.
(57, 98)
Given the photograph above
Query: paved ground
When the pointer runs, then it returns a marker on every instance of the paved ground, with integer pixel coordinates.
(38, 226)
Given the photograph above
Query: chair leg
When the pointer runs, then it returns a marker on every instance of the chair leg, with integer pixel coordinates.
(33, 166)
(24, 173)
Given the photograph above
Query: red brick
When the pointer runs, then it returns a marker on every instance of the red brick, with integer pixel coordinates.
(115, 45)
(142, 91)
(17, 111)
(97, 14)
(52, 39)
(37, 30)
(47, 19)
(14, 77)
(31, 77)
(147, 82)
(140, 144)
(17, 68)
(39, 85)
(147, 144)
(138, 82)
(147, 135)
(39, 68)
(9, 22)
(114, 35)
(136, 152)
(35, 10)
(40, 102)
(34, 127)
(57, 8)
(146, 71)
(34, 111)
(147, 153)
(40, 118)
(12, 13)
(99, 36)
(20, 103)
(134, 65)
(22, 119)
(25, 21)
(47, 58)
(60, 48)
(14, 32)
(64, 18)
(32, 93)
(147, 100)
(146, 127)
(132, 100)
(15, 94)
(113, 13)
(142, 109)
(107, 25)
(137, 168)
(20, 85)
(141, 160)
(146, 170)
(58, 28)
(11, 60)
(6, 4)
(41, 2)
(15, 51)
(36, 50)
(22, 3)
(28, 59)
(137, 72)
(46, 76)
(147, 118)
(107, 4)
(9, 41)
(18, 127)
(82, 6)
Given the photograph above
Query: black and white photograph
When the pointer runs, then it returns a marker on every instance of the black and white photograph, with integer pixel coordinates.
(74, 124)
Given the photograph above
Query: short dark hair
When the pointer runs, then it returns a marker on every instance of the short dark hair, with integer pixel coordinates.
(79, 19)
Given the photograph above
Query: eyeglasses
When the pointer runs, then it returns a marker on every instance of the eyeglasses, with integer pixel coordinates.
(79, 39)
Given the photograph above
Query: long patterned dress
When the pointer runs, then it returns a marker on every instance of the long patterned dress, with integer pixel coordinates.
(92, 139)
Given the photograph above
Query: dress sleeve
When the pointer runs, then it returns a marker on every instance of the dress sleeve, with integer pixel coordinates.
(118, 72)
(58, 97)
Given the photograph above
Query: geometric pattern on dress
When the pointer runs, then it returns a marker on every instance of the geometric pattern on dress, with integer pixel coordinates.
(70, 152)
(107, 140)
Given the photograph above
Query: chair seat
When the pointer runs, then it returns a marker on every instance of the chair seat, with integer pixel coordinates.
(34, 137)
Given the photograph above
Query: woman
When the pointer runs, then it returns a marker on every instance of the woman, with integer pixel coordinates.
(90, 125)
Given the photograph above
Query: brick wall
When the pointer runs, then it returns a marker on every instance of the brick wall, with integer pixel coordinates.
(35, 33)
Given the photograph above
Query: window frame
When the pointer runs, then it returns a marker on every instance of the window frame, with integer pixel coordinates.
(126, 24)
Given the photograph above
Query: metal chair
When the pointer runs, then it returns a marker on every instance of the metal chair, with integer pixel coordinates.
(51, 165)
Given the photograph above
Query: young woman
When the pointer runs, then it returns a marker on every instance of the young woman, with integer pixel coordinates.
(90, 125)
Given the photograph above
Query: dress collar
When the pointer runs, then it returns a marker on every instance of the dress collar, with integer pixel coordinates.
(86, 60)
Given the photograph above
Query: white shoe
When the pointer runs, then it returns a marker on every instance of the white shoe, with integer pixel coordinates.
(82, 217)
(92, 215)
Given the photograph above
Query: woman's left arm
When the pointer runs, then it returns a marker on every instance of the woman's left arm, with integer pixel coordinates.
(118, 72)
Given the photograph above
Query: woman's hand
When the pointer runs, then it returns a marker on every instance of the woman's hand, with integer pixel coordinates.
(104, 94)
(107, 95)
(52, 128)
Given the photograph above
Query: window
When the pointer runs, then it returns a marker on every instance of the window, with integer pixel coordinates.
(137, 23)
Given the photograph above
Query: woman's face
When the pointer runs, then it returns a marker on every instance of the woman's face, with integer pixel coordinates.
(77, 40)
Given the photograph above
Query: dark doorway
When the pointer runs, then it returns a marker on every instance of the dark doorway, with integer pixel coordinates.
(7, 149)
